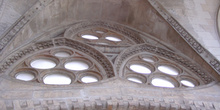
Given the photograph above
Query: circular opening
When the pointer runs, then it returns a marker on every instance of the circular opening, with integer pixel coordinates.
(76, 65)
(43, 64)
(58, 79)
(148, 60)
(168, 70)
(100, 32)
(162, 83)
(140, 69)
(102, 43)
(90, 37)
(187, 83)
(25, 76)
(62, 54)
(115, 39)
(89, 79)
(134, 79)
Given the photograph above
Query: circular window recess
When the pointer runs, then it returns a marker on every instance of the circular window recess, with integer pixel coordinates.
(148, 60)
(89, 79)
(115, 39)
(62, 54)
(25, 76)
(43, 64)
(100, 32)
(140, 69)
(162, 83)
(187, 83)
(102, 43)
(57, 79)
(76, 65)
(168, 70)
(90, 37)
(134, 79)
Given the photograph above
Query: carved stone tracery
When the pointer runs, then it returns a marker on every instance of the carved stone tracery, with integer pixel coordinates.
(202, 74)
(133, 35)
(56, 43)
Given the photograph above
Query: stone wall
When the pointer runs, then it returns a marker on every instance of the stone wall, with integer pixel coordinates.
(199, 19)
(110, 94)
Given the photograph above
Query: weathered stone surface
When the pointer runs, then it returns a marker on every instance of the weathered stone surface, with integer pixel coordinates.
(31, 29)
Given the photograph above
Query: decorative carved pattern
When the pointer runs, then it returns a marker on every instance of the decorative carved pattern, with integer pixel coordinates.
(111, 26)
(186, 36)
(190, 40)
(215, 64)
(110, 103)
(206, 78)
(106, 64)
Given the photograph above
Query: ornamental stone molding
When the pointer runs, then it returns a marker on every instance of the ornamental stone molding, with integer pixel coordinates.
(207, 56)
(108, 103)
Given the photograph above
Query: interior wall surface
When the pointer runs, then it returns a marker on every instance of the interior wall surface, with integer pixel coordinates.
(49, 20)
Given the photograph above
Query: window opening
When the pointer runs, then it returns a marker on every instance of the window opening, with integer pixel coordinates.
(148, 60)
(187, 83)
(115, 39)
(133, 79)
(89, 79)
(24, 76)
(58, 79)
(76, 65)
(162, 83)
(168, 70)
(90, 37)
(62, 54)
(43, 64)
(100, 32)
(140, 69)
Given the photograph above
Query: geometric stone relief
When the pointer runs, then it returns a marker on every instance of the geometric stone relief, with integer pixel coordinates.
(107, 103)
(209, 58)
(58, 42)
(180, 60)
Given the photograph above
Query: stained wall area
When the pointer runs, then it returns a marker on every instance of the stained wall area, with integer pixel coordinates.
(109, 37)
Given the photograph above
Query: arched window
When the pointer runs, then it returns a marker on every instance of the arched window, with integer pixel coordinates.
(61, 61)
(149, 65)
(96, 54)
